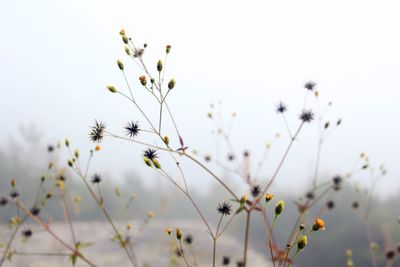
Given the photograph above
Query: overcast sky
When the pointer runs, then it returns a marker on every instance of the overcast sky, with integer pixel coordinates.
(57, 56)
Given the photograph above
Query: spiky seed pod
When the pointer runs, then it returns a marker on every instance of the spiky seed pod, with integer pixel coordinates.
(120, 65)
(280, 206)
(171, 84)
(112, 89)
(159, 66)
(302, 243)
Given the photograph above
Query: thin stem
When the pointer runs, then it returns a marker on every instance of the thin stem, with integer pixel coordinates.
(246, 238)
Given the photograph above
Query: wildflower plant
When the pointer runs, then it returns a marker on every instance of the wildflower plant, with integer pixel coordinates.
(256, 199)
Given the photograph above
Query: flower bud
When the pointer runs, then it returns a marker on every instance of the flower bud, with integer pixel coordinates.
(148, 162)
(125, 39)
(319, 224)
(166, 140)
(268, 197)
(120, 64)
(159, 66)
(127, 50)
(156, 164)
(280, 206)
(302, 242)
(171, 84)
(112, 89)
(143, 80)
(243, 199)
(179, 233)
(168, 49)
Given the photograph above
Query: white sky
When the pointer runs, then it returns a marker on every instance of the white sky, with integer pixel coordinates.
(57, 56)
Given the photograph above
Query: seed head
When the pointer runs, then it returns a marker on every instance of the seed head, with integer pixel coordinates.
(96, 133)
(3, 201)
(35, 210)
(150, 154)
(307, 116)
(224, 208)
(112, 89)
(281, 108)
(27, 233)
(132, 129)
(96, 178)
(188, 239)
(255, 190)
(226, 260)
(310, 85)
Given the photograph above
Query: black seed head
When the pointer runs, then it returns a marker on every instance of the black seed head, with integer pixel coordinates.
(27, 233)
(132, 129)
(226, 260)
(224, 208)
(310, 85)
(207, 158)
(255, 190)
(96, 179)
(14, 194)
(178, 252)
(50, 148)
(231, 157)
(3, 201)
(390, 254)
(151, 154)
(307, 116)
(337, 180)
(355, 205)
(188, 239)
(246, 154)
(310, 195)
(281, 108)
(35, 211)
(330, 204)
(96, 133)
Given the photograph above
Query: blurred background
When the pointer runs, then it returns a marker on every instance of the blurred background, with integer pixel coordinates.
(58, 56)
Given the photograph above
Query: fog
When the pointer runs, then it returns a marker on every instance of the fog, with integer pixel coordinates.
(58, 56)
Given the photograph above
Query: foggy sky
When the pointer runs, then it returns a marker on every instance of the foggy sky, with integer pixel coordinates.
(58, 56)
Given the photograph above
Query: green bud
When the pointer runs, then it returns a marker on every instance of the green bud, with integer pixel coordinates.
(148, 162)
(159, 66)
(66, 143)
(120, 64)
(156, 164)
(280, 206)
(171, 84)
(302, 242)
(112, 89)
(125, 39)
(168, 49)
(70, 163)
